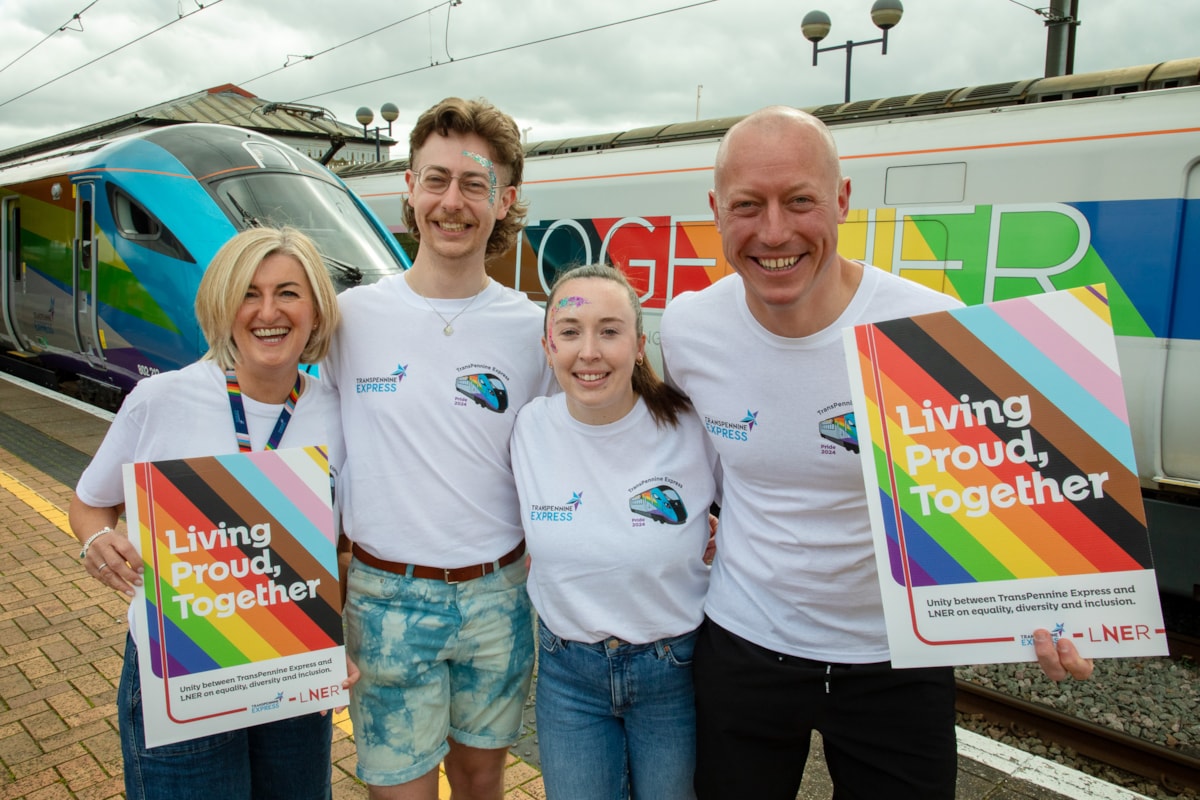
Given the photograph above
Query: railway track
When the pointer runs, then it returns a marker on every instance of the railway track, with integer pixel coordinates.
(1183, 646)
(1173, 770)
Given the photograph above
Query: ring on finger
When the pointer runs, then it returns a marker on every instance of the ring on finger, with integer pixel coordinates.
(103, 566)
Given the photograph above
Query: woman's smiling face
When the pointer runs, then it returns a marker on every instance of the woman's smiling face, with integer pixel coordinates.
(592, 344)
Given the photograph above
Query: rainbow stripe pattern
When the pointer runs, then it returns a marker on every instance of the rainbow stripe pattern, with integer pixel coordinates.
(240, 558)
(1047, 486)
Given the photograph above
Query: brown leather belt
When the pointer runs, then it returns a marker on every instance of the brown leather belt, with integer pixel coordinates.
(449, 575)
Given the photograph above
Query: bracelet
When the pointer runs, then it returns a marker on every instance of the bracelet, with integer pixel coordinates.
(92, 538)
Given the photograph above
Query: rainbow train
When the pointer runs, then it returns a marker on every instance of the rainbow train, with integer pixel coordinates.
(661, 504)
(985, 193)
(485, 389)
(841, 430)
(102, 245)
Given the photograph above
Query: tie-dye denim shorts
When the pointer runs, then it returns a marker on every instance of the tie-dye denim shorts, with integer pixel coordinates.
(437, 660)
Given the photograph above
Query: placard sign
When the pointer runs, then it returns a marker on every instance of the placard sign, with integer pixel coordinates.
(1001, 482)
(239, 618)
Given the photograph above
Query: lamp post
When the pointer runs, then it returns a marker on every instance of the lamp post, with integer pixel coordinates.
(364, 116)
(815, 26)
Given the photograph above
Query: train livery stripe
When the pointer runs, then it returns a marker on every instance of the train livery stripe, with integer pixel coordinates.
(1028, 143)
(880, 154)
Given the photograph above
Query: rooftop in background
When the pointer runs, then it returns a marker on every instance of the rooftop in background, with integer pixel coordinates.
(310, 129)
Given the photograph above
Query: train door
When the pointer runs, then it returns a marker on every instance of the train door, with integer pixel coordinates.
(84, 275)
(1179, 435)
(12, 269)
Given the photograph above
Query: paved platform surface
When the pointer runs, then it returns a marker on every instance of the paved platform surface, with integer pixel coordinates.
(62, 638)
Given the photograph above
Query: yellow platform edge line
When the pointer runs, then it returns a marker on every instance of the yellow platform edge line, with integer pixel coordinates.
(52, 513)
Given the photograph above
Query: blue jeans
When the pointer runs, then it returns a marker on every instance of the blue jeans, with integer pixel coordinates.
(284, 760)
(615, 718)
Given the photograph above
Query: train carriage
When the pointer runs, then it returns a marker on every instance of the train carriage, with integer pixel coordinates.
(102, 245)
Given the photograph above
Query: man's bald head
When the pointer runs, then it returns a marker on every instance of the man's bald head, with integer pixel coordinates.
(780, 120)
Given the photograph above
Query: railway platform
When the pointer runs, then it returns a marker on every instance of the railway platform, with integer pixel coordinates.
(62, 638)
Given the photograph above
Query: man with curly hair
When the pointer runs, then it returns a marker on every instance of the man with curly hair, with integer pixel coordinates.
(431, 367)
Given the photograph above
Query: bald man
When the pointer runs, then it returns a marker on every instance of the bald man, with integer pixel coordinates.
(794, 637)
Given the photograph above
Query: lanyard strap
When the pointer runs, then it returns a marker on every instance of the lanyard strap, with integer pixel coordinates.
(238, 409)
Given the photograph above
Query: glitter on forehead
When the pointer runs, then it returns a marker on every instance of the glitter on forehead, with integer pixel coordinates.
(566, 302)
(486, 163)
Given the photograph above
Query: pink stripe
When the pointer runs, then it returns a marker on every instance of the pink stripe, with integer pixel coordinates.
(1068, 353)
(306, 500)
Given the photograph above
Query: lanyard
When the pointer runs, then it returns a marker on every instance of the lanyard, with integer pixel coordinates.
(239, 413)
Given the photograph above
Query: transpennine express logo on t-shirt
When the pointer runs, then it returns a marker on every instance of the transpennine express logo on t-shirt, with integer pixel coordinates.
(381, 383)
(556, 513)
(734, 431)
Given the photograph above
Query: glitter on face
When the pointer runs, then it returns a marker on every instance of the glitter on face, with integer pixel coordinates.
(566, 302)
(486, 163)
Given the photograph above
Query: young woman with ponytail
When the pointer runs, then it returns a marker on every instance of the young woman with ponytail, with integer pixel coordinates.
(615, 479)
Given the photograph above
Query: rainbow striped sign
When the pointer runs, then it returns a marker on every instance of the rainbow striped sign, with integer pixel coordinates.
(239, 619)
(1001, 480)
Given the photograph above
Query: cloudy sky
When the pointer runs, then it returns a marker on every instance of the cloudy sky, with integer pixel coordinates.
(560, 67)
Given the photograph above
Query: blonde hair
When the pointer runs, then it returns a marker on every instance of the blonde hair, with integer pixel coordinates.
(229, 274)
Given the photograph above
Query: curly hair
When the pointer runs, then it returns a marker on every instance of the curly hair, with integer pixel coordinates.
(499, 130)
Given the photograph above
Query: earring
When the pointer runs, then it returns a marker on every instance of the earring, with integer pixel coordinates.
(639, 361)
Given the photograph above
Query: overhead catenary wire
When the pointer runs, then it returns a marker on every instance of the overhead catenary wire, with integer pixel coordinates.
(507, 48)
(1045, 11)
(359, 38)
(180, 18)
(76, 16)
(474, 55)
(433, 64)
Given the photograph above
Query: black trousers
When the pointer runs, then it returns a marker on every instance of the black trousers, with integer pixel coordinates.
(886, 732)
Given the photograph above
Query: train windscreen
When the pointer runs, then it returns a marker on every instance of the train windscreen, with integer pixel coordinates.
(353, 249)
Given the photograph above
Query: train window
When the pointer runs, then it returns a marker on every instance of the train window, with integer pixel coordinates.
(268, 156)
(321, 209)
(926, 183)
(138, 225)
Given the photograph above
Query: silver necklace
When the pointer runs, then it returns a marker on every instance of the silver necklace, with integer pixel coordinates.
(449, 329)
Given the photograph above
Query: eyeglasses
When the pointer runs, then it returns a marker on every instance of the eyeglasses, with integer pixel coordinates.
(473, 185)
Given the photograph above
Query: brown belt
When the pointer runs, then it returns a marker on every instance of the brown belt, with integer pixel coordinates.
(449, 575)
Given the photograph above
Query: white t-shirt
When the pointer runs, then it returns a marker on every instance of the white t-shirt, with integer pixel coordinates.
(795, 566)
(185, 414)
(427, 419)
(616, 521)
